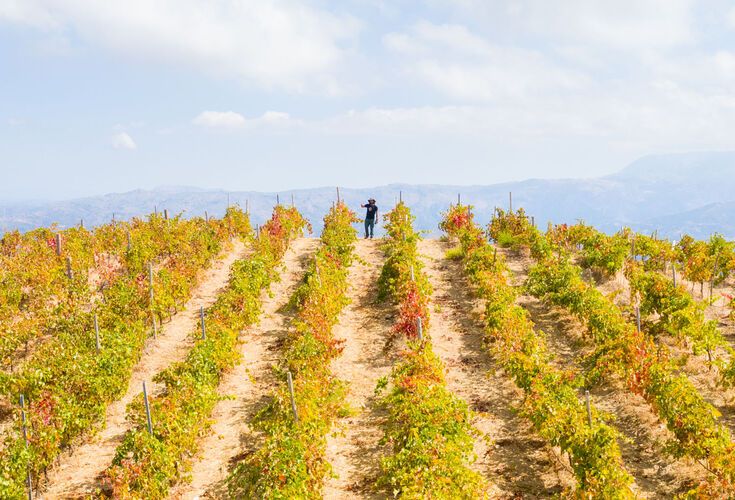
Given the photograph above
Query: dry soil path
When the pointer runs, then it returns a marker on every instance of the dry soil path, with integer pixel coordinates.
(706, 379)
(247, 386)
(514, 459)
(643, 435)
(79, 470)
(353, 449)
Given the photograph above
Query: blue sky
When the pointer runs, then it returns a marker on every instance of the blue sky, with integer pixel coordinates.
(100, 97)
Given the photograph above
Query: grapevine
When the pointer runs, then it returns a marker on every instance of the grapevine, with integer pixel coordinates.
(429, 428)
(291, 463)
(551, 401)
(146, 465)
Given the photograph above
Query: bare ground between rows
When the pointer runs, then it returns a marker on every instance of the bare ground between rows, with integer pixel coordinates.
(247, 386)
(354, 448)
(716, 301)
(706, 379)
(77, 473)
(514, 459)
(643, 435)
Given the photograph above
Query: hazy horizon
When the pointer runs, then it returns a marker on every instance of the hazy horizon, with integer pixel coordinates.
(286, 190)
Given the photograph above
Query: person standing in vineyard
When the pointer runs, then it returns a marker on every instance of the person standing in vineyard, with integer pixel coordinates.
(370, 217)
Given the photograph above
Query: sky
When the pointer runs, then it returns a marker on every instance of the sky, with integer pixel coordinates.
(99, 97)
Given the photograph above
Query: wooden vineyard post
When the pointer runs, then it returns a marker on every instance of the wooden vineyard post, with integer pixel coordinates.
(714, 274)
(400, 196)
(510, 202)
(673, 273)
(257, 231)
(337, 194)
(58, 244)
(24, 423)
(229, 223)
(533, 221)
(632, 247)
(289, 379)
(247, 206)
(589, 410)
(81, 223)
(495, 255)
(23, 418)
(293, 205)
(459, 199)
(201, 319)
(69, 273)
(206, 216)
(128, 237)
(165, 214)
(278, 200)
(147, 409)
(96, 334)
(420, 329)
(155, 326)
(150, 281)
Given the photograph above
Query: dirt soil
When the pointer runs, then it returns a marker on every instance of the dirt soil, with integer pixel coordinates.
(643, 435)
(78, 471)
(247, 386)
(353, 448)
(704, 378)
(515, 460)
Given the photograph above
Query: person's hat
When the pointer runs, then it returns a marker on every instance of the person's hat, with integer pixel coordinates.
(371, 199)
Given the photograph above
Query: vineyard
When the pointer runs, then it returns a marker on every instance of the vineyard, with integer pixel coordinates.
(165, 357)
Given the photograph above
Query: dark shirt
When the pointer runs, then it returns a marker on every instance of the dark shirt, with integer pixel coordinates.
(372, 209)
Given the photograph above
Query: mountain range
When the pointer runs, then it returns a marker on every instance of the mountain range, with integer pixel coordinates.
(672, 194)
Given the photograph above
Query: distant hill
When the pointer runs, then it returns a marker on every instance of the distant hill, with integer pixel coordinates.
(678, 193)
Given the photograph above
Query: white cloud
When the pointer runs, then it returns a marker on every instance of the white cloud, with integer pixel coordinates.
(466, 66)
(280, 43)
(731, 17)
(219, 119)
(725, 63)
(620, 24)
(663, 116)
(233, 120)
(27, 12)
(122, 140)
(448, 36)
(453, 36)
(276, 119)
